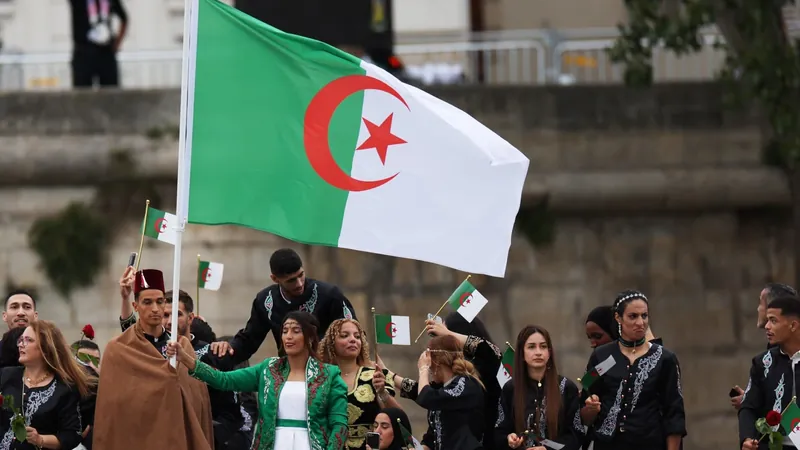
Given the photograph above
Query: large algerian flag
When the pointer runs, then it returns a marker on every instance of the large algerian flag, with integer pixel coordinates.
(506, 369)
(294, 137)
(160, 225)
(395, 330)
(790, 420)
(467, 300)
(592, 375)
(209, 275)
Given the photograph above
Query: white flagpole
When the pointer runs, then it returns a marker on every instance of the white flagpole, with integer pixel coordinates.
(184, 146)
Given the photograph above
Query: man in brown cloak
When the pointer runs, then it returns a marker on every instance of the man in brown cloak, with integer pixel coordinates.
(143, 402)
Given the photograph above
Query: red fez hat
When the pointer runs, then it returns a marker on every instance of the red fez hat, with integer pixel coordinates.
(148, 279)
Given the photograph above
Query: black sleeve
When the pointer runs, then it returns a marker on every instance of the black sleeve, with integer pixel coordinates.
(568, 435)
(222, 364)
(672, 412)
(505, 421)
(409, 389)
(752, 401)
(69, 422)
(459, 395)
(485, 356)
(119, 10)
(127, 322)
(249, 339)
(428, 438)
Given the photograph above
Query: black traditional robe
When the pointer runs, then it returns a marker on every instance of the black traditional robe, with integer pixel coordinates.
(536, 397)
(455, 414)
(771, 386)
(641, 403)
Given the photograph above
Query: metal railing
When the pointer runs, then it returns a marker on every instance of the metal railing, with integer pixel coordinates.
(508, 57)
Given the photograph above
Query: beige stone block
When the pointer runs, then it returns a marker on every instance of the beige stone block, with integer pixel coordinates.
(37, 202)
(406, 272)
(712, 432)
(24, 268)
(699, 322)
(551, 308)
(14, 234)
(355, 267)
(706, 380)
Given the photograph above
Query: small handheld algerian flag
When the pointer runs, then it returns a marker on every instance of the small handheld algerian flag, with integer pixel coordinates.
(506, 367)
(394, 330)
(467, 301)
(408, 438)
(209, 275)
(160, 225)
(791, 423)
(598, 371)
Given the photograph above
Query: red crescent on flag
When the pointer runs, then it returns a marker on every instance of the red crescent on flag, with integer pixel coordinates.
(161, 225)
(795, 422)
(206, 274)
(464, 297)
(508, 368)
(390, 330)
(317, 123)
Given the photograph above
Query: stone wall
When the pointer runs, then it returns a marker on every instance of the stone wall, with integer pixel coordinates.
(658, 190)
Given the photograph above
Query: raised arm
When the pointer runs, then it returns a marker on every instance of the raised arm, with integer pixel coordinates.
(241, 380)
(249, 339)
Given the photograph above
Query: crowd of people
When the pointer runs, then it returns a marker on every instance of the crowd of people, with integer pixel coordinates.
(324, 390)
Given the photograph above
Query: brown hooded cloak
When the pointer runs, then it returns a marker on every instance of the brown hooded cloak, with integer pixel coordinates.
(142, 402)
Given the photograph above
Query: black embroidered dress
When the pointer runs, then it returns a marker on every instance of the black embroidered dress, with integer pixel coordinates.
(771, 386)
(53, 409)
(537, 398)
(486, 358)
(455, 414)
(363, 407)
(641, 403)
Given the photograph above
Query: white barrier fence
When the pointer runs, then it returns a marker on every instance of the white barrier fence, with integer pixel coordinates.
(525, 57)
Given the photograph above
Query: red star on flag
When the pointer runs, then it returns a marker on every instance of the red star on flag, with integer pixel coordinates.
(380, 137)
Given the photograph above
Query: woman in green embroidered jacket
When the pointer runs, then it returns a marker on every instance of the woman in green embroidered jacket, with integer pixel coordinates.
(302, 402)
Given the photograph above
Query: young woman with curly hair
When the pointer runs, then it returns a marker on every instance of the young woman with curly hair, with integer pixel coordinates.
(368, 390)
(450, 389)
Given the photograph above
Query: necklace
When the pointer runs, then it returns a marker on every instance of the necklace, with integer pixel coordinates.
(632, 344)
(36, 382)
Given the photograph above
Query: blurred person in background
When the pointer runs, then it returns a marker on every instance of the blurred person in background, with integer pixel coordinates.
(95, 45)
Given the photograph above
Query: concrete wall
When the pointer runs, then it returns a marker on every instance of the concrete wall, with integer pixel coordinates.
(661, 190)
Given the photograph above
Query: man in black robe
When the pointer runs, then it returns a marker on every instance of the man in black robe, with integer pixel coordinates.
(773, 378)
(292, 291)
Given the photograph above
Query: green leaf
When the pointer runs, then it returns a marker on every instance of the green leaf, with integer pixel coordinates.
(75, 347)
(18, 426)
(762, 427)
(88, 359)
(8, 402)
(775, 441)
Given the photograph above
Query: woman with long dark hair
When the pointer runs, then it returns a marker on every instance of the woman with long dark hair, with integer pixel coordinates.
(302, 403)
(538, 403)
(635, 401)
(47, 389)
(452, 392)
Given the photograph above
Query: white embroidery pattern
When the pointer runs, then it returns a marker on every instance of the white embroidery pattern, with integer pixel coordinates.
(458, 389)
(202, 351)
(779, 391)
(646, 365)
(268, 304)
(346, 312)
(501, 415)
(747, 389)
(577, 423)
(311, 304)
(767, 361)
(437, 428)
(680, 389)
(35, 400)
(5, 444)
(248, 421)
(563, 385)
(543, 418)
(610, 423)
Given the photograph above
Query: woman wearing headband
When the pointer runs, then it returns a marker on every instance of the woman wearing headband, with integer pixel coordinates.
(449, 388)
(635, 400)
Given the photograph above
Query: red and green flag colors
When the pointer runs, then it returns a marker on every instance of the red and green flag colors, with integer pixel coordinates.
(394, 330)
(790, 421)
(294, 137)
(209, 275)
(591, 376)
(467, 300)
(408, 438)
(159, 225)
(506, 367)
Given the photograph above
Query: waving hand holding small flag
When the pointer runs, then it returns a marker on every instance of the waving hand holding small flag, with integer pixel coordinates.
(467, 300)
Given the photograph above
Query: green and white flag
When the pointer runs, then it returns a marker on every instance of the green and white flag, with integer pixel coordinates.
(394, 330)
(467, 301)
(160, 225)
(297, 138)
(506, 369)
(790, 420)
(591, 376)
(209, 275)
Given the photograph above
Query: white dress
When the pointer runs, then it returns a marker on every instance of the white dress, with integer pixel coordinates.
(291, 432)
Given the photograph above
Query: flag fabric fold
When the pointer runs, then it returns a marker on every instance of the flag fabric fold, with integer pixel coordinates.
(506, 370)
(159, 225)
(297, 138)
(467, 301)
(209, 275)
(591, 376)
(393, 330)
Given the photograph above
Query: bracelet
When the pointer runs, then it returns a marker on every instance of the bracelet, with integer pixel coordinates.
(424, 368)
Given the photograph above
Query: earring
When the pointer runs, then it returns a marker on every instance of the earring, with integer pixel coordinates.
(619, 328)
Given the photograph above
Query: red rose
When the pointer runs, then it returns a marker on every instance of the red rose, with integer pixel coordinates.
(2, 399)
(773, 418)
(88, 331)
